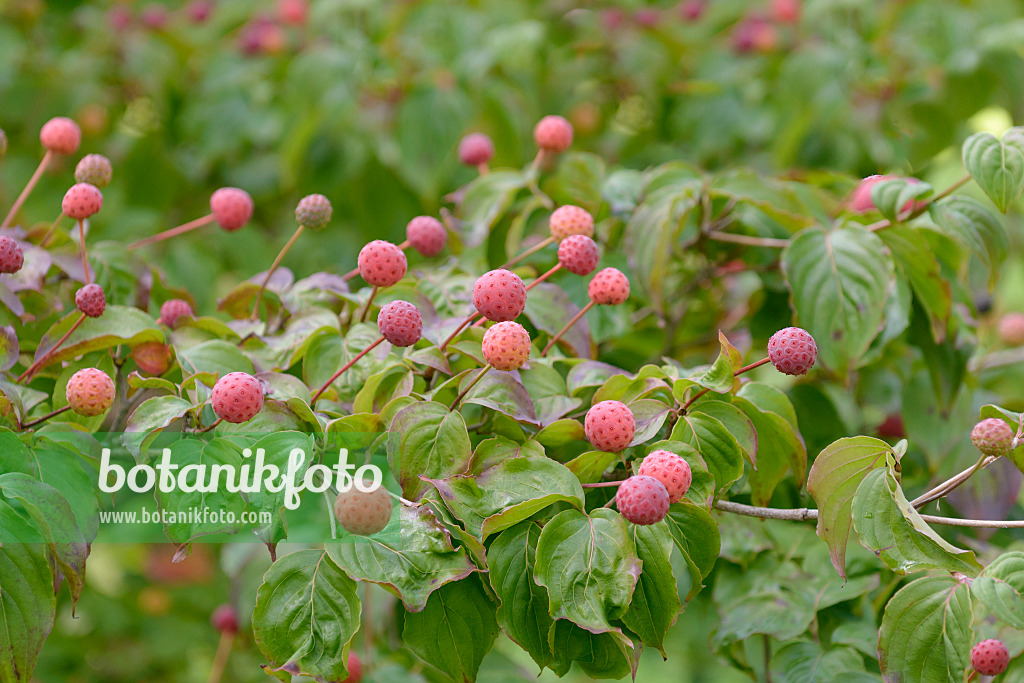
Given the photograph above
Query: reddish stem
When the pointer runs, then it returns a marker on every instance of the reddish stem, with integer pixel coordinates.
(369, 302)
(81, 243)
(462, 394)
(529, 252)
(273, 266)
(544, 277)
(344, 367)
(172, 232)
(36, 366)
(453, 335)
(44, 418)
(565, 329)
(745, 368)
(28, 189)
(53, 228)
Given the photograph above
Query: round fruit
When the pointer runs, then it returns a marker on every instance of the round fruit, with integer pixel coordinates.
(363, 513)
(90, 392)
(1011, 329)
(61, 135)
(792, 351)
(400, 323)
(610, 426)
(11, 256)
(172, 309)
(81, 201)
(992, 437)
(570, 220)
(225, 619)
(553, 134)
(91, 300)
(671, 470)
(94, 169)
(642, 500)
(153, 358)
(499, 295)
(231, 208)
(381, 263)
(989, 657)
(610, 287)
(426, 234)
(237, 397)
(313, 211)
(506, 346)
(578, 254)
(355, 669)
(476, 149)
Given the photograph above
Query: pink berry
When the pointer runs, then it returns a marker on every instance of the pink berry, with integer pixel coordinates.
(476, 149)
(692, 10)
(363, 513)
(1011, 329)
(754, 34)
(570, 220)
(91, 300)
(154, 16)
(499, 295)
(642, 500)
(427, 235)
(400, 323)
(237, 397)
(119, 17)
(786, 11)
(610, 426)
(861, 201)
(506, 346)
(90, 392)
(553, 134)
(11, 256)
(355, 669)
(94, 169)
(61, 135)
(992, 437)
(578, 254)
(294, 12)
(647, 17)
(990, 657)
(381, 263)
(610, 287)
(172, 309)
(225, 619)
(671, 470)
(792, 351)
(231, 208)
(313, 211)
(81, 201)
(199, 11)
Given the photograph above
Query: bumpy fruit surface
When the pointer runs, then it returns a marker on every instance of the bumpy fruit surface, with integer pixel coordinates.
(610, 287)
(231, 208)
(570, 220)
(610, 426)
(90, 392)
(363, 513)
(1011, 329)
(506, 346)
(427, 235)
(792, 351)
(553, 134)
(11, 256)
(381, 263)
(642, 500)
(61, 135)
(237, 397)
(81, 201)
(91, 300)
(153, 358)
(355, 669)
(172, 309)
(94, 169)
(400, 323)
(989, 657)
(476, 149)
(578, 254)
(314, 211)
(499, 295)
(992, 437)
(225, 619)
(671, 470)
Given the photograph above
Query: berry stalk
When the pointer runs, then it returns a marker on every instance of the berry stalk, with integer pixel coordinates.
(43, 164)
(462, 394)
(53, 228)
(210, 427)
(220, 660)
(575, 319)
(369, 302)
(530, 252)
(44, 418)
(39, 364)
(273, 266)
(745, 368)
(455, 333)
(85, 258)
(172, 232)
(344, 367)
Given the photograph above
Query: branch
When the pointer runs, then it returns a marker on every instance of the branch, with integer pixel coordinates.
(748, 240)
(881, 225)
(809, 514)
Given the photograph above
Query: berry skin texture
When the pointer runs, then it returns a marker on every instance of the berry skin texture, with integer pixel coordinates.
(1011, 329)
(427, 235)
(90, 392)
(382, 263)
(231, 208)
(610, 426)
(642, 500)
(506, 346)
(570, 220)
(94, 169)
(81, 201)
(989, 657)
(355, 669)
(578, 254)
(237, 397)
(225, 619)
(792, 351)
(11, 256)
(363, 513)
(400, 323)
(172, 309)
(610, 287)
(499, 295)
(314, 211)
(61, 135)
(91, 300)
(153, 358)
(553, 134)
(671, 470)
(992, 437)
(476, 149)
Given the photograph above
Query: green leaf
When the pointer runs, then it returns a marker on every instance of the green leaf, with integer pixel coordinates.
(997, 165)
(715, 444)
(306, 588)
(149, 419)
(806, 662)
(779, 449)
(835, 475)
(655, 604)
(926, 632)
(599, 655)
(560, 433)
(455, 630)
(895, 196)
(548, 308)
(217, 356)
(1001, 586)
(839, 282)
(487, 199)
(975, 227)
(502, 392)
(426, 439)
(588, 467)
(117, 325)
(8, 347)
(915, 260)
(721, 376)
(695, 533)
(778, 613)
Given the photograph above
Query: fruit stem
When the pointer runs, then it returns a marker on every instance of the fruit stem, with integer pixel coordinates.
(85, 259)
(810, 514)
(211, 426)
(455, 333)
(565, 329)
(745, 368)
(529, 252)
(273, 266)
(544, 277)
(172, 232)
(28, 189)
(220, 660)
(53, 228)
(946, 487)
(41, 362)
(462, 394)
(749, 240)
(46, 417)
(344, 367)
(918, 210)
(600, 484)
(482, 169)
(369, 302)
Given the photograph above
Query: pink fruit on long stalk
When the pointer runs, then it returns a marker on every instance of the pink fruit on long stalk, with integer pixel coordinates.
(564, 221)
(82, 201)
(498, 295)
(230, 207)
(425, 234)
(609, 287)
(506, 347)
(476, 149)
(59, 135)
